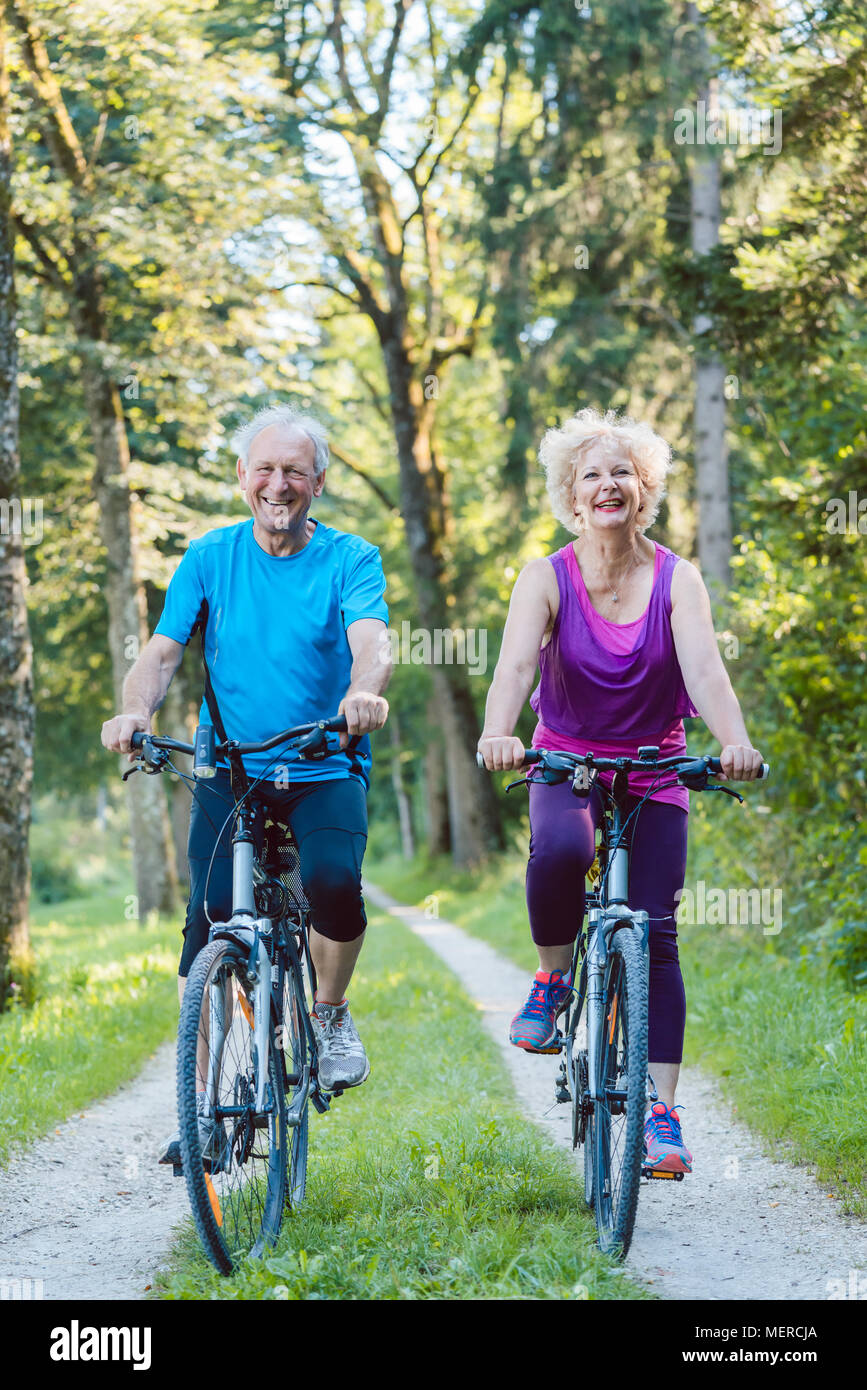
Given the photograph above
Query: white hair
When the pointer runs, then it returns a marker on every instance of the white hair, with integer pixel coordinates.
(561, 451)
(290, 419)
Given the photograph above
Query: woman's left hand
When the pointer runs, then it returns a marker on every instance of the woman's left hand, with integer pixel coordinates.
(740, 762)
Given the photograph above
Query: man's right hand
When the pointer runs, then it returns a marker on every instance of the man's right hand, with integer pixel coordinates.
(117, 732)
(501, 754)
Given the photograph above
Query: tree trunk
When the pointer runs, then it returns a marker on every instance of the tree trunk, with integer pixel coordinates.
(16, 681)
(711, 454)
(153, 855)
(152, 846)
(404, 809)
(436, 796)
(474, 815)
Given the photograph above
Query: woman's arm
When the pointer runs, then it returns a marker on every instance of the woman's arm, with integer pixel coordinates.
(532, 610)
(705, 676)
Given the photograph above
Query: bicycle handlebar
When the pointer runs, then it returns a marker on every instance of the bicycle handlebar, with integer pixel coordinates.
(336, 724)
(564, 761)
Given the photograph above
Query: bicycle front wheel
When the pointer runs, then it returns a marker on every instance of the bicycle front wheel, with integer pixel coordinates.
(618, 1113)
(298, 1060)
(233, 1155)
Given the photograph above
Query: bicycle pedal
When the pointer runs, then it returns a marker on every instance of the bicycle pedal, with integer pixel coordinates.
(656, 1173)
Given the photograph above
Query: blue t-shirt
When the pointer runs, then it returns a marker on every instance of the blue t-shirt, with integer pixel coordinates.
(275, 642)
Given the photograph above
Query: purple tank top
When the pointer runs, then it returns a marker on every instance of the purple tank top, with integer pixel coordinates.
(589, 692)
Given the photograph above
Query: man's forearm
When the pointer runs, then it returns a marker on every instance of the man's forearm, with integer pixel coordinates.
(147, 683)
(371, 671)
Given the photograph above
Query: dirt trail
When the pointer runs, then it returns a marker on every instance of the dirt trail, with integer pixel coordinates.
(87, 1210)
(741, 1226)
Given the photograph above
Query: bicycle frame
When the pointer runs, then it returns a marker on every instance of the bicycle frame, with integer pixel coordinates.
(609, 914)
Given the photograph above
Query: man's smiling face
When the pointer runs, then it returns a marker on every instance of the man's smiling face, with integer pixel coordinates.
(280, 481)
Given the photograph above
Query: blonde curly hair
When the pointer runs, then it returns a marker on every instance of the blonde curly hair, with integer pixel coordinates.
(561, 450)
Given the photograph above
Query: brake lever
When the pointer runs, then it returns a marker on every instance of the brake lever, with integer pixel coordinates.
(728, 791)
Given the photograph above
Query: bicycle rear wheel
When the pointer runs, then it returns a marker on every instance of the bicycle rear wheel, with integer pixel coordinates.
(234, 1157)
(618, 1118)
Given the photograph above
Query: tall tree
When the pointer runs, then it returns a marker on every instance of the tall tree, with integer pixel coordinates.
(82, 281)
(16, 685)
(378, 218)
(711, 452)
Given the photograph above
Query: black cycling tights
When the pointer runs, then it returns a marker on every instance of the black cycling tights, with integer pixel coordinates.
(329, 822)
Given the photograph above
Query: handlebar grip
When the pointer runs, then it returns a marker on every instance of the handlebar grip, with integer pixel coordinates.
(335, 725)
(531, 755)
(714, 765)
(137, 740)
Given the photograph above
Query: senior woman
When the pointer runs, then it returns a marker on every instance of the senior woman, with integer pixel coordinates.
(621, 629)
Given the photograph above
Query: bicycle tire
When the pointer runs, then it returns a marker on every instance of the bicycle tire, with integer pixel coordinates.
(237, 1198)
(618, 1137)
(297, 1056)
(577, 1064)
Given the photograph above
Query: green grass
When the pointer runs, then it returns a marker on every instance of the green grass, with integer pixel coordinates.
(425, 1183)
(106, 998)
(787, 1040)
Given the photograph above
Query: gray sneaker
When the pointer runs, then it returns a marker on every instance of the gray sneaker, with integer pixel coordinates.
(342, 1058)
(211, 1139)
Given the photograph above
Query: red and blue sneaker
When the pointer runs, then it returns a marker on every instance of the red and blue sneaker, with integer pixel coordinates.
(664, 1148)
(534, 1028)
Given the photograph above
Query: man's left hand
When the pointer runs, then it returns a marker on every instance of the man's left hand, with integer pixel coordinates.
(364, 713)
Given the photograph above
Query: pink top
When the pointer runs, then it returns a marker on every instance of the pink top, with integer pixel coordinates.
(620, 639)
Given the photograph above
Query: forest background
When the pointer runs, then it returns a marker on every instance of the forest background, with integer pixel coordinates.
(442, 228)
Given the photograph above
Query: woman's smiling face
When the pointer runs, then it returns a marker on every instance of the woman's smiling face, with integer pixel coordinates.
(606, 492)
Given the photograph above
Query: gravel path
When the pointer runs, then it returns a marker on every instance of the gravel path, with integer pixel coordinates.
(87, 1210)
(89, 1213)
(741, 1226)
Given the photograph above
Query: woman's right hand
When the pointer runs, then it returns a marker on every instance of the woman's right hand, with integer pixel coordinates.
(501, 754)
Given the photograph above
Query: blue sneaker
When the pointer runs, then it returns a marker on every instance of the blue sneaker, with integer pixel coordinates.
(534, 1028)
(664, 1148)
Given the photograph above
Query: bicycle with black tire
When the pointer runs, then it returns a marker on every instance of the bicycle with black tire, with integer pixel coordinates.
(247, 1066)
(603, 1071)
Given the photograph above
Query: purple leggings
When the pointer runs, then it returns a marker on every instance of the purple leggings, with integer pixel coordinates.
(562, 846)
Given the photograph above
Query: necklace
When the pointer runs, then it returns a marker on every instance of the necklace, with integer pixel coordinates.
(613, 592)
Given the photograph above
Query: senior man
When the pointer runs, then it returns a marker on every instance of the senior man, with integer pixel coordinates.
(295, 625)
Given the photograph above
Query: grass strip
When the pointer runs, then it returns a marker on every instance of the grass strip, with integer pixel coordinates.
(425, 1183)
(106, 998)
